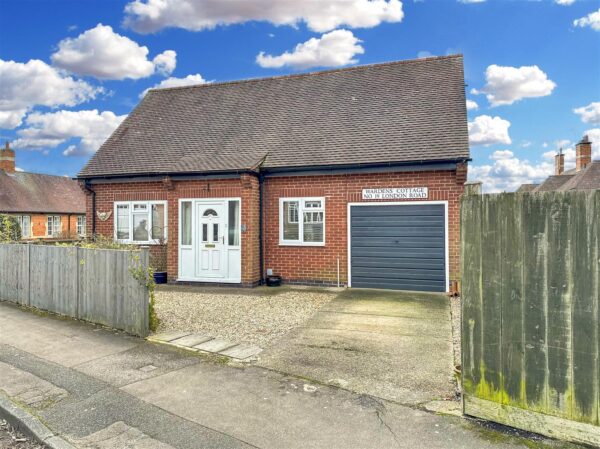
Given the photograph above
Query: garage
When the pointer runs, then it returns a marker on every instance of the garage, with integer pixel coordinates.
(398, 246)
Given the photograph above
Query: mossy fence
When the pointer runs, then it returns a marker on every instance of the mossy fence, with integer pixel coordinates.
(530, 311)
(103, 286)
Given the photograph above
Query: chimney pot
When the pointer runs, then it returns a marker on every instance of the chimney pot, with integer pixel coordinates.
(583, 153)
(559, 163)
(7, 159)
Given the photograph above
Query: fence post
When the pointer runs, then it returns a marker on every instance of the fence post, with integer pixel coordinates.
(145, 260)
(28, 274)
(77, 280)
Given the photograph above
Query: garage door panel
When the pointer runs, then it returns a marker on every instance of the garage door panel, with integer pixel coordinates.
(398, 247)
(405, 210)
(400, 274)
(399, 231)
(428, 286)
(406, 220)
(397, 262)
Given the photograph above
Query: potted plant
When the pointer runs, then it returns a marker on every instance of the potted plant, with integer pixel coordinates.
(158, 259)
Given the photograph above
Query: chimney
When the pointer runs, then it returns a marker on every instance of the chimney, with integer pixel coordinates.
(559, 163)
(7, 159)
(583, 153)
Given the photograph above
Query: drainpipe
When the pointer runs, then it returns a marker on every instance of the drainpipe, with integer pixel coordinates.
(88, 187)
(261, 180)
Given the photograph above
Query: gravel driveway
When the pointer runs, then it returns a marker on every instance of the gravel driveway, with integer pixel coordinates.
(259, 316)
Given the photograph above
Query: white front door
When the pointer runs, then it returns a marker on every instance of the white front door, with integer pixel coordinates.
(211, 257)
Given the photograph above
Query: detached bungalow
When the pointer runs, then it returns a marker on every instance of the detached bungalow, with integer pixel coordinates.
(349, 176)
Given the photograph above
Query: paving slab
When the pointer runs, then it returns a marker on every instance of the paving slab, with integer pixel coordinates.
(27, 388)
(117, 436)
(242, 351)
(191, 340)
(215, 345)
(169, 336)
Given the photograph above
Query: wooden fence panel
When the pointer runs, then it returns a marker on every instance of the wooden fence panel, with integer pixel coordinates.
(535, 306)
(53, 280)
(14, 273)
(101, 286)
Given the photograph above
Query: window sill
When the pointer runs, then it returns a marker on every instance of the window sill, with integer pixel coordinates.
(301, 244)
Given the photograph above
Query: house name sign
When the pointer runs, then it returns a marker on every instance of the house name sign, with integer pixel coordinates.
(396, 193)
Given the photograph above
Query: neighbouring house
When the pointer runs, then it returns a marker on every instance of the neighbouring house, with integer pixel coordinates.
(46, 207)
(585, 175)
(349, 176)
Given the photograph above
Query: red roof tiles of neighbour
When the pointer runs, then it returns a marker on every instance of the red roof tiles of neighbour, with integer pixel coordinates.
(35, 193)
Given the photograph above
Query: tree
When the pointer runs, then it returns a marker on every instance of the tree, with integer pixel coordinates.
(10, 230)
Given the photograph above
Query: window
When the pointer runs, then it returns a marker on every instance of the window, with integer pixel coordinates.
(186, 223)
(81, 225)
(141, 222)
(53, 227)
(25, 224)
(234, 223)
(302, 221)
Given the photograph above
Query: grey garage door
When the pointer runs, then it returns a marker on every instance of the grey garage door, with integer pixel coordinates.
(399, 247)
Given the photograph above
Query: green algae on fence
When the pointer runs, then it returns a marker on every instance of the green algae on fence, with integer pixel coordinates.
(530, 314)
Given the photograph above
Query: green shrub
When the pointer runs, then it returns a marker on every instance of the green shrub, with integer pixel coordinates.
(10, 230)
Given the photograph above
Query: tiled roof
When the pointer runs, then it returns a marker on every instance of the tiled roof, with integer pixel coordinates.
(585, 179)
(527, 188)
(35, 193)
(406, 111)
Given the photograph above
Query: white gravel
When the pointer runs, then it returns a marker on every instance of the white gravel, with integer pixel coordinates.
(258, 316)
(455, 310)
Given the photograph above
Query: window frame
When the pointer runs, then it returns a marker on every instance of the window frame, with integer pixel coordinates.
(301, 209)
(81, 225)
(131, 212)
(53, 234)
(29, 228)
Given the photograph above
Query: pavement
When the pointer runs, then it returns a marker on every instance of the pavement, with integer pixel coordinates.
(97, 388)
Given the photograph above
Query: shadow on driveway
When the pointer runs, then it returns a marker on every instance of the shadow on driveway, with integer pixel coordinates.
(389, 344)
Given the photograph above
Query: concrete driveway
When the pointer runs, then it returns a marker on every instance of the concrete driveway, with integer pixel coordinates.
(392, 345)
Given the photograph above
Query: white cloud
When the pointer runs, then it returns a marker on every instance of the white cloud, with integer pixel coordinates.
(165, 62)
(189, 80)
(19, 169)
(25, 85)
(486, 130)
(472, 105)
(507, 172)
(502, 154)
(589, 113)
(564, 2)
(44, 131)
(334, 49)
(104, 54)
(594, 136)
(148, 16)
(424, 54)
(471, 1)
(592, 20)
(505, 85)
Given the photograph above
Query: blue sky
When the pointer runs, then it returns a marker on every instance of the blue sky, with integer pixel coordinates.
(66, 82)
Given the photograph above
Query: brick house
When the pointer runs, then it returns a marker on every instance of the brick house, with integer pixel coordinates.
(351, 176)
(46, 206)
(585, 175)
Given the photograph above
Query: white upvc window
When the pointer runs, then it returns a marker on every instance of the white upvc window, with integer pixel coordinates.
(81, 225)
(302, 221)
(53, 226)
(143, 222)
(25, 224)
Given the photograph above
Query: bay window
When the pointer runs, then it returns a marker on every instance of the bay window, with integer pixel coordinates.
(302, 221)
(141, 221)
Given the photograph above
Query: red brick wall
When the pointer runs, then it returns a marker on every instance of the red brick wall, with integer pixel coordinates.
(310, 263)
(245, 187)
(294, 263)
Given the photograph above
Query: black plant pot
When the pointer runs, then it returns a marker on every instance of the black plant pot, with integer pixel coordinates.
(273, 281)
(160, 277)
